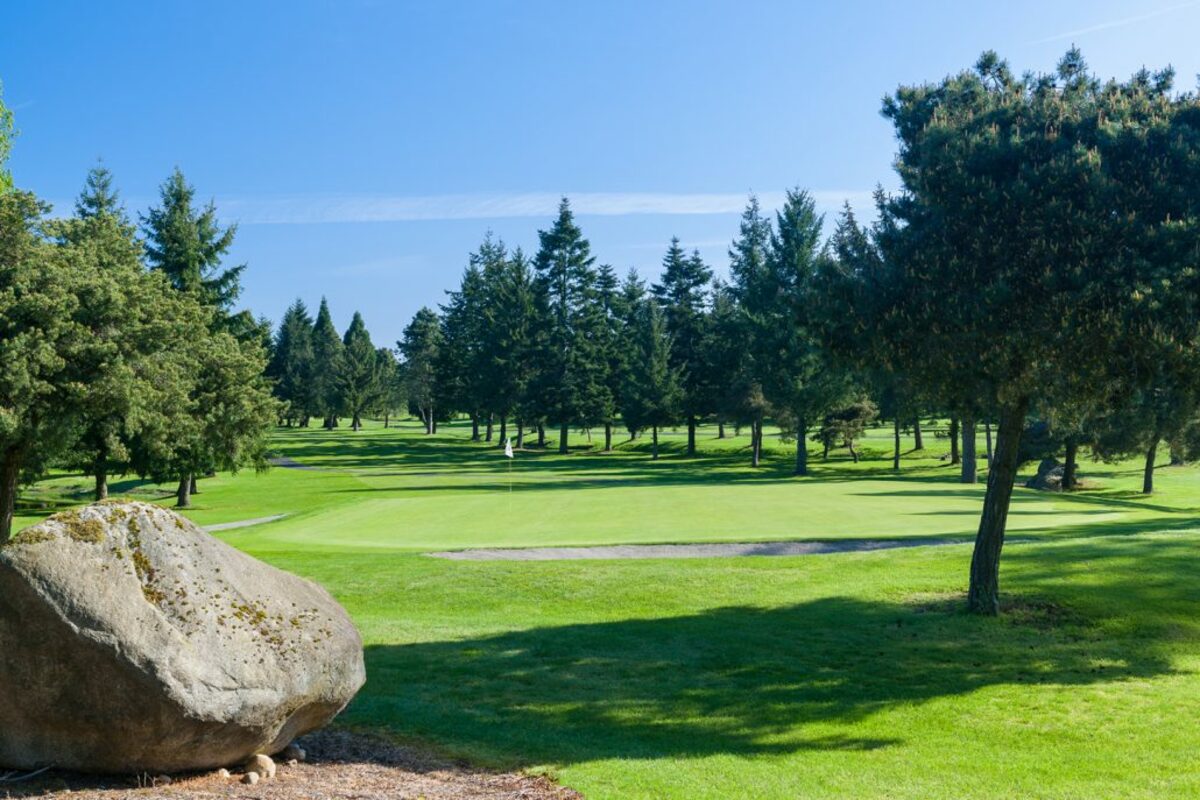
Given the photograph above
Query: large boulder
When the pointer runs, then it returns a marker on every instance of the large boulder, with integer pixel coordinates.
(132, 641)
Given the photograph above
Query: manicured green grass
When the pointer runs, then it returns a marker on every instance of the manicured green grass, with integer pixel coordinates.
(853, 675)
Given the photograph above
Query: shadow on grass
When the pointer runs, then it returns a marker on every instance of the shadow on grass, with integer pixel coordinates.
(745, 681)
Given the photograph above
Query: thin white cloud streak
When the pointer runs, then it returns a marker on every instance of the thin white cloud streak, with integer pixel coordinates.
(326, 209)
(1116, 23)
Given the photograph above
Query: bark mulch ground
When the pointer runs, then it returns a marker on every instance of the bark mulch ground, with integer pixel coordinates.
(339, 765)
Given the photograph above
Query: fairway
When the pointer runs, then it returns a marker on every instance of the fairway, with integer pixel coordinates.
(853, 674)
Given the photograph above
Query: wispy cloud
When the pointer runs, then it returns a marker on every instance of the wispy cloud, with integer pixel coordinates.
(318, 209)
(1116, 23)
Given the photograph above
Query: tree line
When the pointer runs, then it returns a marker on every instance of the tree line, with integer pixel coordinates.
(1037, 270)
(121, 351)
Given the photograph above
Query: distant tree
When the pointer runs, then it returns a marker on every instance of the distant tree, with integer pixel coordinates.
(292, 366)
(682, 296)
(845, 425)
(571, 377)
(358, 380)
(392, 396)
(652, 392)
(188, 244)
(753, 291)
(461, 356)
(509, 345)
(419, 349)
(327, 355)
(613, 345)
(627, 307)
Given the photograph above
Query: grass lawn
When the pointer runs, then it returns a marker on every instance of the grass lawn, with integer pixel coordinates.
(851, 675)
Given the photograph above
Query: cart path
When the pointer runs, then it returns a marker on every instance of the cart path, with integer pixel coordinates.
(714, 550)
(242, 523)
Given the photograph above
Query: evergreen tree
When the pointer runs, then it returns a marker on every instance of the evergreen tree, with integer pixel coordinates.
(980, 248)
(628, 303)
(612, 344)
(461, 356)
(358, 379)
(291, 364)
(753, 293)
(652, 393)
(510, 325)
(327, 355)
(572, 368)
(420, 350)
(99, 198)
(801, 381)
(188, 244)
(7, 133)
(681, 293)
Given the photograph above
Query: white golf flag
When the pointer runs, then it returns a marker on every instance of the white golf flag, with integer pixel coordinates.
(508, 448)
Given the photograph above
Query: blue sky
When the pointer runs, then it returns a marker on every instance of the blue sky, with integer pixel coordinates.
(365, 148)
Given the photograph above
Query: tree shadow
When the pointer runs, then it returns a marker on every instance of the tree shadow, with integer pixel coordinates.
(739, 680)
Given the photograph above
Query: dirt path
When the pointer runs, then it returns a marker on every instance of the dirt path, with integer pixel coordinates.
(340, 765)
(716, 550)
(242, 523)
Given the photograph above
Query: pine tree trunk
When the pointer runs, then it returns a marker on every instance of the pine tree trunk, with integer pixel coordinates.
(853, 452)
(503, 429)
(987, 433)
(428, 414)
(1069, 483)
(435, 424)
(1148, 470)
(691, 445)
(654, 447)
(983, 596)
(520, 434)
(802, 447)
(970, 459)
(10, 471)
(192, 486)
(490, 425)
(896, 444)
(954, 455)
(608, 428)
(386, 416)
(100, 471)
(541, 429)
(755, 443)
(356, 423)
(474, 428)
(183, 495)
(918, 442)
(825, 450)
(720, 429)
(564, 431)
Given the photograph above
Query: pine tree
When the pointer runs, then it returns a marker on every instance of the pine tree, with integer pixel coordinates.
(509, 345)
(753, 293)
(99, 198)
(291, 364)
(420, 351)
(7, 133)
(681, 294)
(187, 244)
(358, 380)
(327, 355)
(652, 393)
(572, 368)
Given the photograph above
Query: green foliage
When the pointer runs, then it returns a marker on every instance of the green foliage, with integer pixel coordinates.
(420, 350)
(188, 244)
(292, 366)
(359, 381)
(651, 393)
(7, 134)
(327, 356)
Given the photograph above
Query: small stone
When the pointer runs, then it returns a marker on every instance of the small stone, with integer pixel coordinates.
(222, 773)
(293, 752)
(261, 764)
(250, 778)
(162, 780)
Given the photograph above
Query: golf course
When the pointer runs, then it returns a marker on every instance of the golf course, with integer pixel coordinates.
(838, 675)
